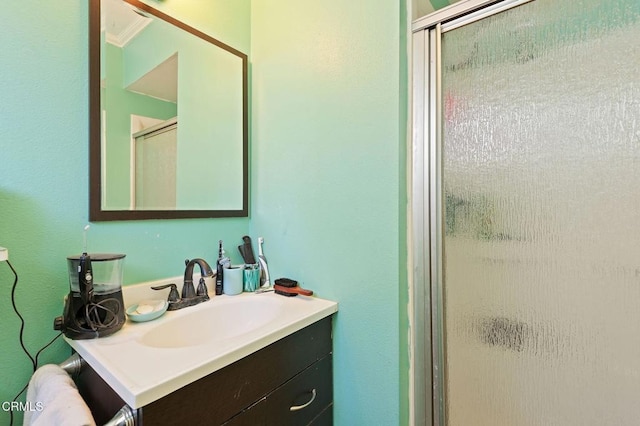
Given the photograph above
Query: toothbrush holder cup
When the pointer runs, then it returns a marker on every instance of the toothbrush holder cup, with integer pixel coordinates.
(232, 280)
(251, 278)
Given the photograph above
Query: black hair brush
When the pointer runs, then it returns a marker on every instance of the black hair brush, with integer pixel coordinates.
(288, 287)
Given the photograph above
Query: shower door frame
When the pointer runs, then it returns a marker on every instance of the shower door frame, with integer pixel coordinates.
(426, 225)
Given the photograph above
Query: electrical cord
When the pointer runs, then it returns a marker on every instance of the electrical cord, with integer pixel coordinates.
(92, 314)
(15, 308)
(34, 370)
(34, 360)
(45, 347)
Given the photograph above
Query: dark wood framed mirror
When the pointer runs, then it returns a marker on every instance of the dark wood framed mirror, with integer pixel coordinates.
(168, 118)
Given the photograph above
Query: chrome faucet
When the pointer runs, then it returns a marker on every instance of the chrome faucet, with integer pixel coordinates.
(190, 296)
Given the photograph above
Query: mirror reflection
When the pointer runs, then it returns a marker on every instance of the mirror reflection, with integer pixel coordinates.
(172, 119)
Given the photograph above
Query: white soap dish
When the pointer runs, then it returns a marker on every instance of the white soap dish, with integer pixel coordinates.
(147, 310)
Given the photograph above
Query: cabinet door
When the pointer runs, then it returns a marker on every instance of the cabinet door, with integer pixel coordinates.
(103, 401)
(223, 394)
(297, 402)
(325, 418)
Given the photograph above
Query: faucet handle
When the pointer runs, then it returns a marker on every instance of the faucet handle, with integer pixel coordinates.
(174, 296)
(202, 288)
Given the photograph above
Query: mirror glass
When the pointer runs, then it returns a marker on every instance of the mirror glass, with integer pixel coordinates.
(168, 107)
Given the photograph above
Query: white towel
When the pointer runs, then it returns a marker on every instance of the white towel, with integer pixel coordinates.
(55, 400)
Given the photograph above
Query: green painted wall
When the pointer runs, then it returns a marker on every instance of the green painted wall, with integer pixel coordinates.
(209, 111)
(328, 141)
(227, 20)
(328, 149)
(120, 104)
(44, 183)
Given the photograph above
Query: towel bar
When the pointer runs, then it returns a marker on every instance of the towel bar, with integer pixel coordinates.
(73, 365)
(124, 417)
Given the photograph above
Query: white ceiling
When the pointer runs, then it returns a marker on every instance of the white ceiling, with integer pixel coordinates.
(121, 22)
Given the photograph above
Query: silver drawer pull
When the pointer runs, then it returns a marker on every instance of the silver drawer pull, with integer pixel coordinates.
(300, 407)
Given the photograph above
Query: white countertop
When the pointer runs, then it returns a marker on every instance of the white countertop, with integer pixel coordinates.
(141, 374)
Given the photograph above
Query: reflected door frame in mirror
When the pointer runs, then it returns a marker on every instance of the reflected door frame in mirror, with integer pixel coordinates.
(97, 212)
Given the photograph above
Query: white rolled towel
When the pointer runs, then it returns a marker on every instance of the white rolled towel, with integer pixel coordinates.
(55, 400)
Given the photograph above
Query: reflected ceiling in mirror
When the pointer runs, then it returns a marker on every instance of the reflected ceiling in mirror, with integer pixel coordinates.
(168, 118)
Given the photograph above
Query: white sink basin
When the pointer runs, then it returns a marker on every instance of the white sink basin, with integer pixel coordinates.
(145, 361)
(216, 320)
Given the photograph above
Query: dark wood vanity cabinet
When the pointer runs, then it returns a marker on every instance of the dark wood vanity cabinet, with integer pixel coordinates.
(286, 383)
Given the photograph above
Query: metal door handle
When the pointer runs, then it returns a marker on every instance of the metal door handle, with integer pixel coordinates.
(300, 407)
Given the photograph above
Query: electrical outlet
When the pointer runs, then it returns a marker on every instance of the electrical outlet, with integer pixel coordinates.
(4, 254)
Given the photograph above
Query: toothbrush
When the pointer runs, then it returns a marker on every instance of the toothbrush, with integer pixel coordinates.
(84, 238)
(264, 268)
(219, 269)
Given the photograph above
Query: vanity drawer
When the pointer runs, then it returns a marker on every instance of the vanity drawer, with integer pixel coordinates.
(310, 393)
(223, 394)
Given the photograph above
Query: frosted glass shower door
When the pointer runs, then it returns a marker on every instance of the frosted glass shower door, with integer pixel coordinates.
(155, 171)
(541, 215)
